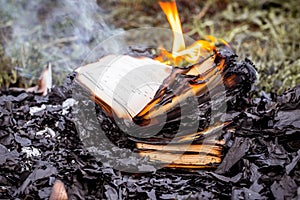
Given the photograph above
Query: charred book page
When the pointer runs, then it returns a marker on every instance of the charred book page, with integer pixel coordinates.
(122, 84)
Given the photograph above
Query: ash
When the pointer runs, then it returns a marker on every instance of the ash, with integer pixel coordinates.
(39, 143)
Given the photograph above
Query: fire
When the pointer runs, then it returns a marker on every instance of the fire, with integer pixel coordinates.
(180, 54)
(170, 9)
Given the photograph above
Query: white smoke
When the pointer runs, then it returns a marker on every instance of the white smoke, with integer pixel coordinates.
(61, 32)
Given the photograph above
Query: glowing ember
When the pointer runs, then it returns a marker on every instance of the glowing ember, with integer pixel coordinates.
(180, 54)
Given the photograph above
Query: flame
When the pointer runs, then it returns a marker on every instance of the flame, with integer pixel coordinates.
(170, 9)
(200, 59)
(180, 54)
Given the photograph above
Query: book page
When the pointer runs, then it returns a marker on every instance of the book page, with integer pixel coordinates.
(125, 83)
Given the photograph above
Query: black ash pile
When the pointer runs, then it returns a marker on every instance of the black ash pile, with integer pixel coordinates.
(39, 143)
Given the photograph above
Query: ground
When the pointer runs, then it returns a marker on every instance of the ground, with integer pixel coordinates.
(39, 137)
(266, 31)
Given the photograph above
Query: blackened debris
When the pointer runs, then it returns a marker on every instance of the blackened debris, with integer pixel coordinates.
(261, 158)
(237, 151)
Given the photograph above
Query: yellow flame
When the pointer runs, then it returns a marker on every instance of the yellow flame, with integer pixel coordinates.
(180, 54)
(170, 9)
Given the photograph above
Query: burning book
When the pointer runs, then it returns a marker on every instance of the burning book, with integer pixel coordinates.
(166, 110)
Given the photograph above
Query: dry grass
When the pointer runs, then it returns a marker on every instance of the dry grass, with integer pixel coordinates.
(266, 31)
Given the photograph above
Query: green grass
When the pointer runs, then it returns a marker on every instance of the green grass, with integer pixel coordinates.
(266, 31)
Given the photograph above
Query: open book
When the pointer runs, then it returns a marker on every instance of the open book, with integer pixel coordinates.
(131, 87)
(122, 84)
(141, 89)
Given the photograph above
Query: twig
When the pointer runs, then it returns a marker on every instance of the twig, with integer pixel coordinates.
(204, 10)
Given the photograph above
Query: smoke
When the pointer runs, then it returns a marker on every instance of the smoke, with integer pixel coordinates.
(59, 32)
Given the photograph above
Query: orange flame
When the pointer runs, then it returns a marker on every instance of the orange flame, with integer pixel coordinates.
(180, 54)
(170, 9)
